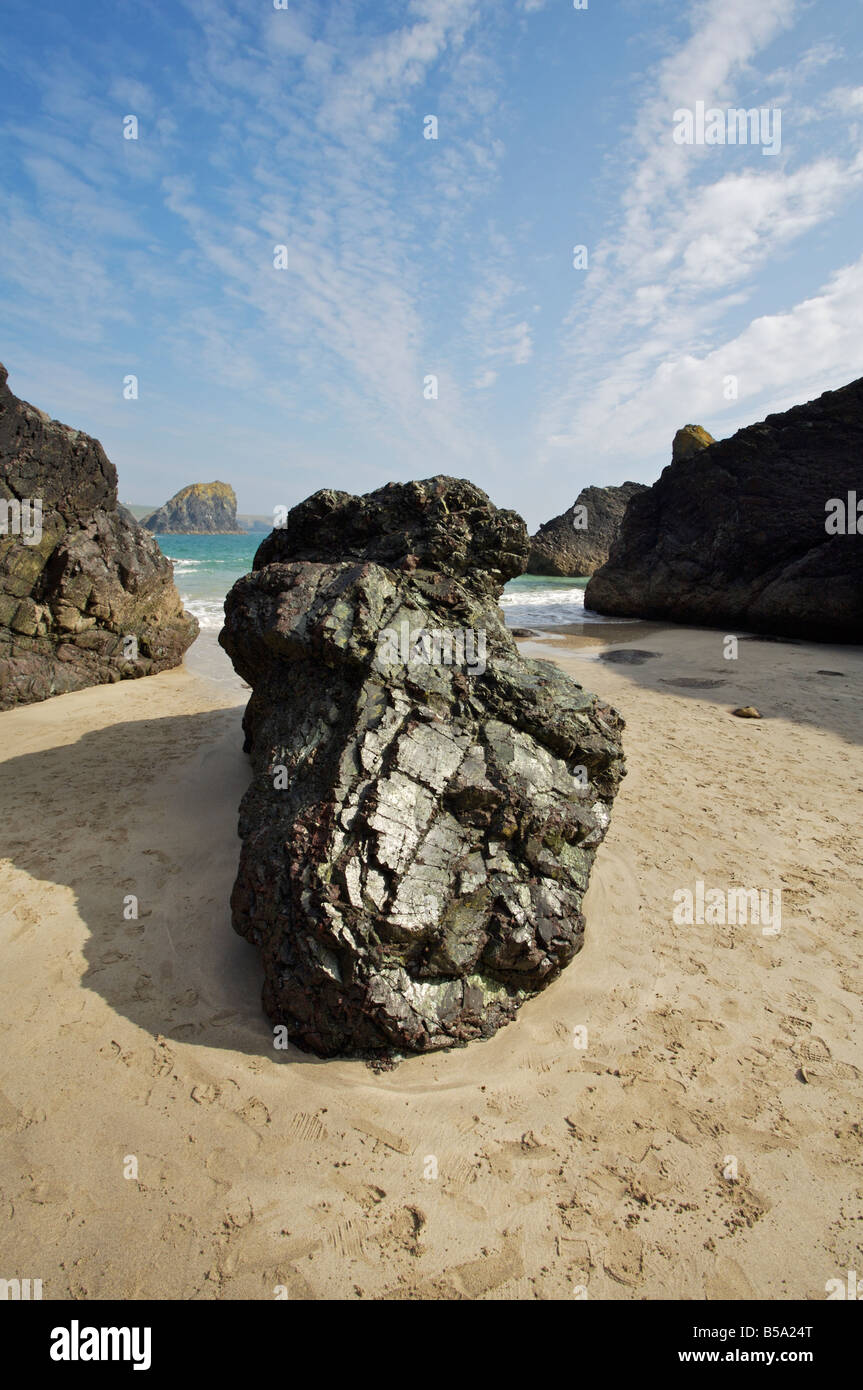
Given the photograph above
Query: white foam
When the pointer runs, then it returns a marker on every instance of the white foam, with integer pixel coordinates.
(551, 607)
(209, 612)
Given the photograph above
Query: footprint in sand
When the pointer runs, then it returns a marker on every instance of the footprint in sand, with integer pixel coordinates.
(116, 1051)
(205, 1095)
(812, 1049)
(458, 1173)
(15, 1121)
(533, 1062)
(477, 1277)
(624, 1259)
(255, 1113)
(405, 1229)
(307, 1129)
(186, 1000)
(506, 1103)
(163, 1059)
(793, 1025)
(345, 1239)
(366, 1195)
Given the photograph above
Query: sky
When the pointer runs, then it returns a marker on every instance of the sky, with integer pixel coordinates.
(722, 281)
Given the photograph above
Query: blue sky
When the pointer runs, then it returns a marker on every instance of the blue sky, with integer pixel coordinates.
(409, 257)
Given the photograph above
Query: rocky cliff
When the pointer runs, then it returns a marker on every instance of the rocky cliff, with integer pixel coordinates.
(207, 508)
(578, 541)
(741, 534)
(86, 596)
(426, 805)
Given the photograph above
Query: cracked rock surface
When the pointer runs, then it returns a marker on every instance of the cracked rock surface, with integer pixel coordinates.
(560, 548)
(88, 597)
(417, 837)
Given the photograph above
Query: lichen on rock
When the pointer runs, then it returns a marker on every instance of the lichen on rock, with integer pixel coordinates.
(419, 831)
(86, 596)
(200, 509)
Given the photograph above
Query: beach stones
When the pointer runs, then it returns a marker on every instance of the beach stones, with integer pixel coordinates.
(86, 596)
(628, 656)
(426, 804)
(692, 682)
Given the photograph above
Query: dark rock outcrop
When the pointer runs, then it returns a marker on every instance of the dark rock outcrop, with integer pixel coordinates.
(86, 596)
(201, 508)
(578, 542)
(736, 535)
(426, 804)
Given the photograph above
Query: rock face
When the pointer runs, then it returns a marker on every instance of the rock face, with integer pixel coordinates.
(86, 596)
(565, 546)
(426, 805)
(735, 536)
(201, 508)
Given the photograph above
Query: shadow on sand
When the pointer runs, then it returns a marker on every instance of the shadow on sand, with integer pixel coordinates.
(803, 682)
(148, 808)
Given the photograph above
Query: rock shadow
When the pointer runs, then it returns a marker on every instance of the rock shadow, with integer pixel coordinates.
(148, 809)
(822, 688)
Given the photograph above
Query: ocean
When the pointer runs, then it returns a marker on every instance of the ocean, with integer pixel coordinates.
(205, 567)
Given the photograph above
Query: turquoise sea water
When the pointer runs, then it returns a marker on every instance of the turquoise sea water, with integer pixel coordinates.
(205, 567)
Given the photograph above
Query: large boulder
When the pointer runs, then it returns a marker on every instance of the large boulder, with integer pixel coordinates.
(689, 441)
(199, 509)
(743, 533)
(426, 805)
(86, 596)
(578, 541)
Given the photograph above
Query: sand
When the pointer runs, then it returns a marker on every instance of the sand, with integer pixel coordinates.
(154, 1144)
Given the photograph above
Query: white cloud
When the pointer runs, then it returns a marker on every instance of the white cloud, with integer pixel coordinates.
(847, 99)
(697, 227)
(493, 330)
(777, 360)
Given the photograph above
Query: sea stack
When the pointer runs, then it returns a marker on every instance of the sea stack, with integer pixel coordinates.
(199, 509)
(756, 532)
(86, 596)
(578, 541)
(426, 805)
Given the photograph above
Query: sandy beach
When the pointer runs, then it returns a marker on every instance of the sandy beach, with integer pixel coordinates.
(154, 1144)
